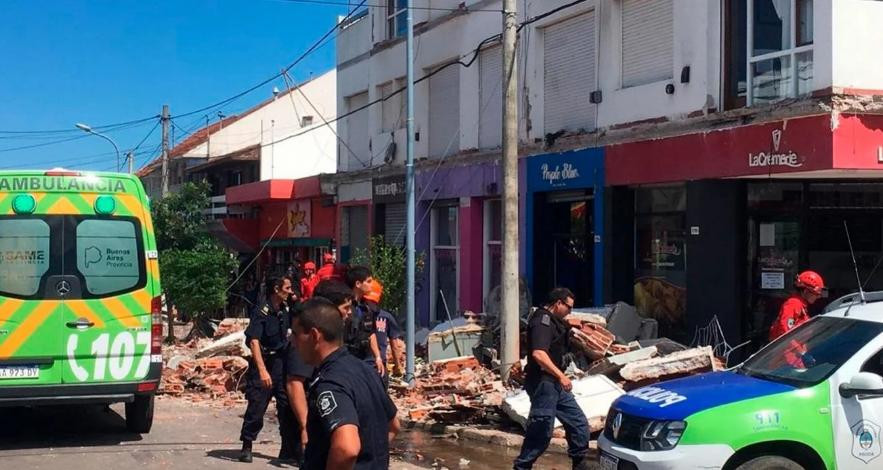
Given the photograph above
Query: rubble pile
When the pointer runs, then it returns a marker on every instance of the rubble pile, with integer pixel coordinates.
(210, 370)
(457, 390)
(606, 364)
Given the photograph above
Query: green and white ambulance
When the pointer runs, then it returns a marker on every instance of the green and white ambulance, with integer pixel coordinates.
(80, 318)
(812, 399)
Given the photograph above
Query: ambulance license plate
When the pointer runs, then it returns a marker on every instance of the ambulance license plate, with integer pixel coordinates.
(609, 462)
(19, 372)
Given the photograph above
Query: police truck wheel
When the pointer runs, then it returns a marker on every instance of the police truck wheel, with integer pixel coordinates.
(139, 414)
(770, 462)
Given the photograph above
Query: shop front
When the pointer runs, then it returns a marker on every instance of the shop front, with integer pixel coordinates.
(564, 215)
(724, 220)
(459, 228)
(295, 220)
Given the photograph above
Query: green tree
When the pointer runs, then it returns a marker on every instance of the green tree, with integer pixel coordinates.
(195, 269)
(387, 263)
(178, 218)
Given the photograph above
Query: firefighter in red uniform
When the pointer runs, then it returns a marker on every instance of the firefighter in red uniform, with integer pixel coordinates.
(327, 270)
(309, 281)
(809, 287)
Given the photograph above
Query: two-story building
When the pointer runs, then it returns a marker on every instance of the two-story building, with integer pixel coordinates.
(264, 166)
(688, 156)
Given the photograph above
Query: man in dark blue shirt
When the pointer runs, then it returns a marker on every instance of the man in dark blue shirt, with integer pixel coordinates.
(267, 338)
(548, 388)
(386, 328)
(351, 420)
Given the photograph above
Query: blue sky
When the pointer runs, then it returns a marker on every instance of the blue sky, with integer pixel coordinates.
(104, 62)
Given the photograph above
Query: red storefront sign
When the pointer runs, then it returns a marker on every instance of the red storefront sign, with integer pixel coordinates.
(801, 145)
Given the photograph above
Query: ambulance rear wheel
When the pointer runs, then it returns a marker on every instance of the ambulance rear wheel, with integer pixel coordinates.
(139, 414)
(770, 462)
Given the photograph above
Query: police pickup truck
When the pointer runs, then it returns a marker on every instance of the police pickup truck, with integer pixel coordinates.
(812, 399)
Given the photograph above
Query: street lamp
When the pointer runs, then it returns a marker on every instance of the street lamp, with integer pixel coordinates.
(87, 129)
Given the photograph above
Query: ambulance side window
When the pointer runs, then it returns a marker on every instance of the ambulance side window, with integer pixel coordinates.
(24, 255)
(107, 255)
(874, 364)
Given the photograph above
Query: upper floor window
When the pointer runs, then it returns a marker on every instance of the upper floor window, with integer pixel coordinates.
(780, 49)
(306, 121)
(396, 18)
(444, 111)
(569, 68)
(647, 41)
(392, 108)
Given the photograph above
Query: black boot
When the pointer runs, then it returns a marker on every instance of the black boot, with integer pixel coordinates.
(245, 454)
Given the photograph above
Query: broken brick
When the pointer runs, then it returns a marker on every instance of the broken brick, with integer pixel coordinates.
(690, 361)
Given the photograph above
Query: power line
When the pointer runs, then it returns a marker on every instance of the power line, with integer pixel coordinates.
(130, 125)
(71, 161)
(398, 9)
(152, 129)
(400, 90)
(102, 127)
(322, 117)
(467, 64)
(309, 51)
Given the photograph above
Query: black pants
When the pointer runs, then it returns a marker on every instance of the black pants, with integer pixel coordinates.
(258, 400)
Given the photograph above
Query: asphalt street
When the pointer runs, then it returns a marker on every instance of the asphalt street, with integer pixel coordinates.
(191, 436)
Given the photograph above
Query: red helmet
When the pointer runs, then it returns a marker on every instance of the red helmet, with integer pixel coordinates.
(811, 281)
(327, 258)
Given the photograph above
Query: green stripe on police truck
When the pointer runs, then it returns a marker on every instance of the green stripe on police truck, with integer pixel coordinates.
(803, 415)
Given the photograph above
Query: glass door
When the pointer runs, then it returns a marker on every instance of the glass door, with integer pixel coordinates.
(774, 251)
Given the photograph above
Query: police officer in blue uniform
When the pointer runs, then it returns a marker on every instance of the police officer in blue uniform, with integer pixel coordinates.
(361, 336)
(267, 337)
(351, 419)
(549, 389)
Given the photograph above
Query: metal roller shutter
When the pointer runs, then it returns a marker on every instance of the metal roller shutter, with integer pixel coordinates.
(569, 74)
(395, 224)
(444, 112)
(647, 41)
(357, 134)
(490, 112)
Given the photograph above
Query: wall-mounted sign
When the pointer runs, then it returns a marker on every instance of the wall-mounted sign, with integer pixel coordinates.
(299, 219)
(772, 280)
(775, 157)
(578, 169)
(389, 189)
(559, 174)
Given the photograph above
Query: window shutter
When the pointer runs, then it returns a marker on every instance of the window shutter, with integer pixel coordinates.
(490, 111)
(392, 110)
(444, 112)
(647, 41)
(569, 74)
(395, 224)
(357, 134)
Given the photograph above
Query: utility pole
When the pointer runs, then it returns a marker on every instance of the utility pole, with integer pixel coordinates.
(165, 149)
(131, 158)
(411, 204)
(509, 312)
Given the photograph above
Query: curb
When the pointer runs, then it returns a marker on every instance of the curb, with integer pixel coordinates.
(488, 436)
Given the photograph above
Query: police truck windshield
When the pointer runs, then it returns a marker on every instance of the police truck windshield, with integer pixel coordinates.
(809, 354)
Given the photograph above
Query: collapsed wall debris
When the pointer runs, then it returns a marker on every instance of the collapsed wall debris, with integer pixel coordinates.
(466, 390)
(209, 370)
